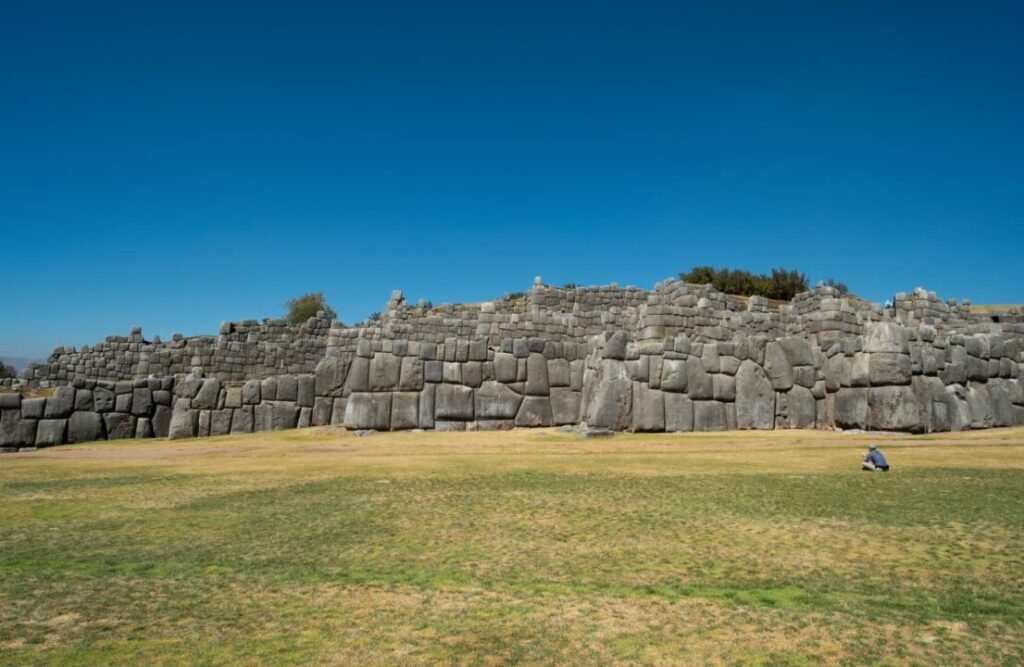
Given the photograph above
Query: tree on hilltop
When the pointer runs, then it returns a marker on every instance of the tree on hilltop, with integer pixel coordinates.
(781, 284)
(306, 306)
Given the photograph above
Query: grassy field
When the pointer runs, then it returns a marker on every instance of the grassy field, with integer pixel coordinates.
(534, 547)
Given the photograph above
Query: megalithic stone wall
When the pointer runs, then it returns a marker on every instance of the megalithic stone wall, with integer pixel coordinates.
(679, 358)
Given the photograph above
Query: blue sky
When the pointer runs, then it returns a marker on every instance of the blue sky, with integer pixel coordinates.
(175, 164)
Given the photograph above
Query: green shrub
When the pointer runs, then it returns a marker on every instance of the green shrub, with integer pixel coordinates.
(781, 284)
(306, 306)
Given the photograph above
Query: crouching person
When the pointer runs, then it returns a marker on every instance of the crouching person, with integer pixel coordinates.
(874, 461)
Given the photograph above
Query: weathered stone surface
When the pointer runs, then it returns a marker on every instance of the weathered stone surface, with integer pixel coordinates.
(1002, 408)
(220, 421)
(615, 346)
(472, 373)
(287, 387)
(427, 406)
(885, 337)
(161, 421)
(119, 425)
(123, 402)
(534, 411)
(405, 410)
(83, 400)
(10, 401)
(268, 390)
(494, 400)
(852, 408)
(142, 402)
(50, 432)
(505, 367)
(565, 405)
(755, 398)
(410, 377)
(85, 427)
(678, 412)
(305, 391)
(143, 427)
(305, 417)
(184, 420)
(797, 350)
(322, 407)
(537, 375)
(242, 420)
(34, 408)
(251, 392)
(384, 371)
(723, 388)
(777, 367)
(648, 408)
(979, 405)
(368, 411)
(453, 402)
(607, 396)
(10, 420)
(795, 408)
(358, 378)
(60, 404)
(886, 368)
(709, 416)
(493, 424)
(187, 387)
(330, 374)
(673, 375)
(284, 415)
(558, 372)
(894, 409)
(699, 383)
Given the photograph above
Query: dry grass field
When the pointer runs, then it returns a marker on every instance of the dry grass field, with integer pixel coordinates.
(527, 547)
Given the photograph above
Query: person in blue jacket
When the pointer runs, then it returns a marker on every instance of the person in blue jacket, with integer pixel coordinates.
(874, 461)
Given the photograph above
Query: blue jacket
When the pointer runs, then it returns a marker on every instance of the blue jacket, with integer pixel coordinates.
(876, 457)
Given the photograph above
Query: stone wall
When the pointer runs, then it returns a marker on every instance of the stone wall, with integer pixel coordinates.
(677, 358)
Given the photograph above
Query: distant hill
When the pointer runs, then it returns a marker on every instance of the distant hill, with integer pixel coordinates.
(19, 362)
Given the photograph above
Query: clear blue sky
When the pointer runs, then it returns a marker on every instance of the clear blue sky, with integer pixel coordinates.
(175, 164)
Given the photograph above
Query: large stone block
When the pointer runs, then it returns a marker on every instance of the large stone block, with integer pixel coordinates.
(888, 368)
(242, 420)
(494, 400)
(537, 375)
(607, 396)
(851, 408)
(120, 425)
(10, 420)
(268, 390)
(709, 416)
(979, 406)
(368, 411)
(405, 410)
(648, 408)
(565, 405)
(34, 408)
(894, 409)
(453, 402)
(61, 404)
(220, 421)
(678, 412)
(427, 406)
(251, 392)
(615, 346)
(505, 367)
(10, 401)
(472, 373)
(305, 390)
(83, 400)
(330, 375)
(358, 378)
(723, 388)
(534, 411)
(322, 407)
(184, 420)
(558, 372)
(162, 421)
(287, 387)
(50, 432)
(699, 383)
(755, 398)
(673, 375)
(384, 371)
(797, 350)
(284, 415)
(795, 408)
(142, 402)
(778, 367)
(410, 377)
(85, 427)
(885, 336)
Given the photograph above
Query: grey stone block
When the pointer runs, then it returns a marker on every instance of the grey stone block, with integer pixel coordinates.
(427, 406)
(453, 402)
(368, 411)
(565, 405)
(648, 408)
(33, 408)
(755, 398)
(142, 402)
(607, 396)
(50, 432)
(287, 388)
(411, 375)
(322, 407)
(534, 411)
(242, 420)
(699, 385)
(61, 404)
(268, 389)
(384, 370)
(494, 400)
(220, 421)
(119, 425)
(405, 410)
(251, 392)
(678, 412)
(537, 375)
(709, 416)
(330, 375)
(777, 367)
(162, 421)
(888, 368)
(85, 427)
(894, 409)
(305, 391)
(83, 400)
